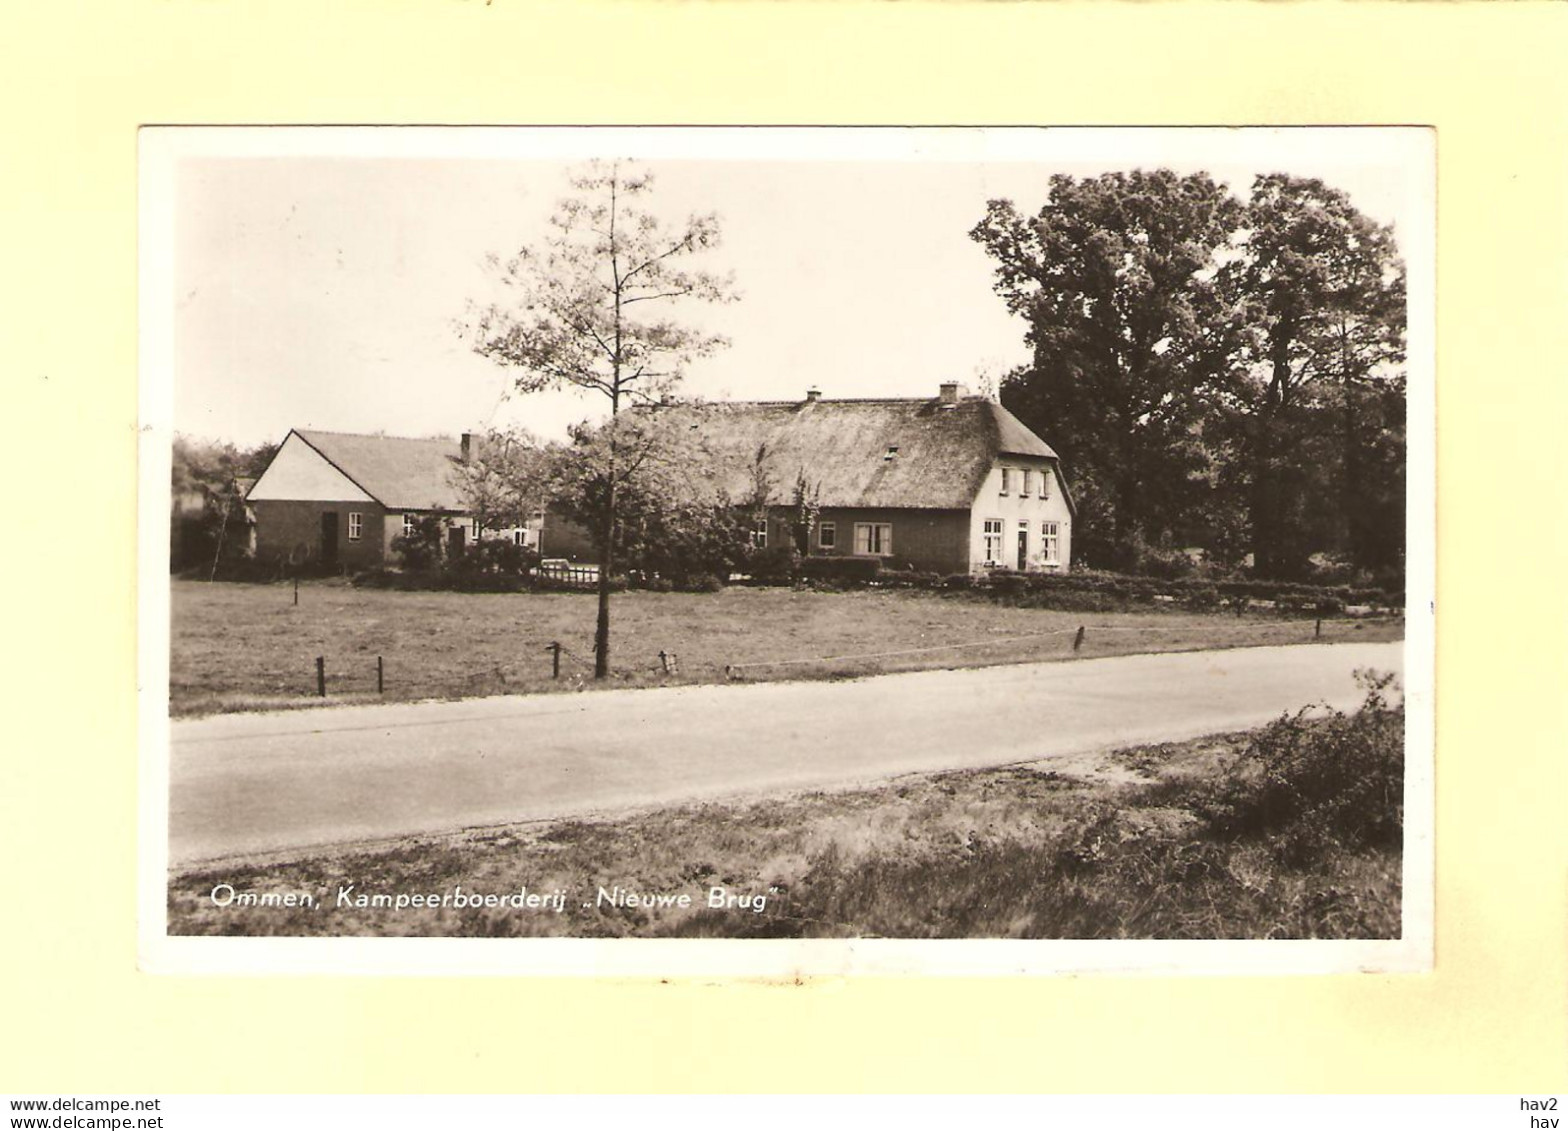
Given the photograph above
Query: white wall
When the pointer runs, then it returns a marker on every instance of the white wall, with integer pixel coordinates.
(299, 472)
(1015, 507)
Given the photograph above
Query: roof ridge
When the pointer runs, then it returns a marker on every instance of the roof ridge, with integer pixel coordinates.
(830, 400)
(377, 435)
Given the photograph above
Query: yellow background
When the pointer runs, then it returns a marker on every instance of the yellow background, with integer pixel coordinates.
(77, 79)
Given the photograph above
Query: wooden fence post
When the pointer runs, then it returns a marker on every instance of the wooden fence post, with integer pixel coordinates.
(321, 676)
(381, 672)
(1317, 633)
(1078, 640)
(296, 588)
(555, 660)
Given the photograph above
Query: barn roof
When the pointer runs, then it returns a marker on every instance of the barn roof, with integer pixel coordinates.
(398, 472)
(869, 453)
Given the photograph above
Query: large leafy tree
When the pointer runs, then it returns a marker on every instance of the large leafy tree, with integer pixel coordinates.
(1316, 395)
(592, 310)
(1115, 278)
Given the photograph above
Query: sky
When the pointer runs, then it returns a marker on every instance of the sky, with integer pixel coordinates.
(317, 277)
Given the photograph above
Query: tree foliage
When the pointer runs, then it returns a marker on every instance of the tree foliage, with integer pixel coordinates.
(589, 308)
(1213, 371)
(208, 482)
(1114, 279)
(674, 518)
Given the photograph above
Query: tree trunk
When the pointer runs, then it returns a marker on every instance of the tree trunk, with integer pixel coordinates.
(217, 554)
(601, 635)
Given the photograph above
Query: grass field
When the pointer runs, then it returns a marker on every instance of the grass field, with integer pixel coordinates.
(1292, 831)
(238, 647)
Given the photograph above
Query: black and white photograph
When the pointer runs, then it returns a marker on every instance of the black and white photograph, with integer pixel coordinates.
(761, 550)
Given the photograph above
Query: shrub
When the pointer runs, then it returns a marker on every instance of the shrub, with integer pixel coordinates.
(1307, 784)
(1206, 597)
(776, 565)
(1007, 582)
(849, 571)
(958, 581)
(703, 583)
(423, 547)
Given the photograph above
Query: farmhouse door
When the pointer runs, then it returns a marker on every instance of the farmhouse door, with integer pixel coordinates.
(456, 539)
(1023, 549)
(329, 538)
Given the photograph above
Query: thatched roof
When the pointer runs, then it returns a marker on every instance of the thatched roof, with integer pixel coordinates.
(868, 453)
(398, 472)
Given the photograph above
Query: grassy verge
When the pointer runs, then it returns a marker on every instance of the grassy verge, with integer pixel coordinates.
(1291, 831)
(239, 647)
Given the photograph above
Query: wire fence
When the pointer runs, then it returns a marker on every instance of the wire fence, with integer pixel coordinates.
(409, 677)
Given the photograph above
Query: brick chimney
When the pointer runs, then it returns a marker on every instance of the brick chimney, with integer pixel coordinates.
(813, 395)
(468, 447)
(952, 392)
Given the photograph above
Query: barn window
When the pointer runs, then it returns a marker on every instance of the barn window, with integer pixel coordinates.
(827, 536)
(993, 541)
(874, 538)
(1050, 544)
(356, 525)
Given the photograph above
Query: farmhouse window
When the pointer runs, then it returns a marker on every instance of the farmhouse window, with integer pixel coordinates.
(410, 523)
(759, 533)
(356, 525)
(520, 537)
(1045, 484)
(827, 536)
(1050, 552)
(1007, 480)
(874, 538)
(993, 541)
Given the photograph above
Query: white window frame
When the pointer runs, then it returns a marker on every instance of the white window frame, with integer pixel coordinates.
(827, 536)
(1007, 480)
(759, 533)
(410, 524)
(356, 525)
(1050, 543)
(994, 529)
(874, 539)
(1028, 475)
(1045, 483)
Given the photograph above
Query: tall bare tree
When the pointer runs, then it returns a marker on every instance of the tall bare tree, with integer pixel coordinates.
(592, 312)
